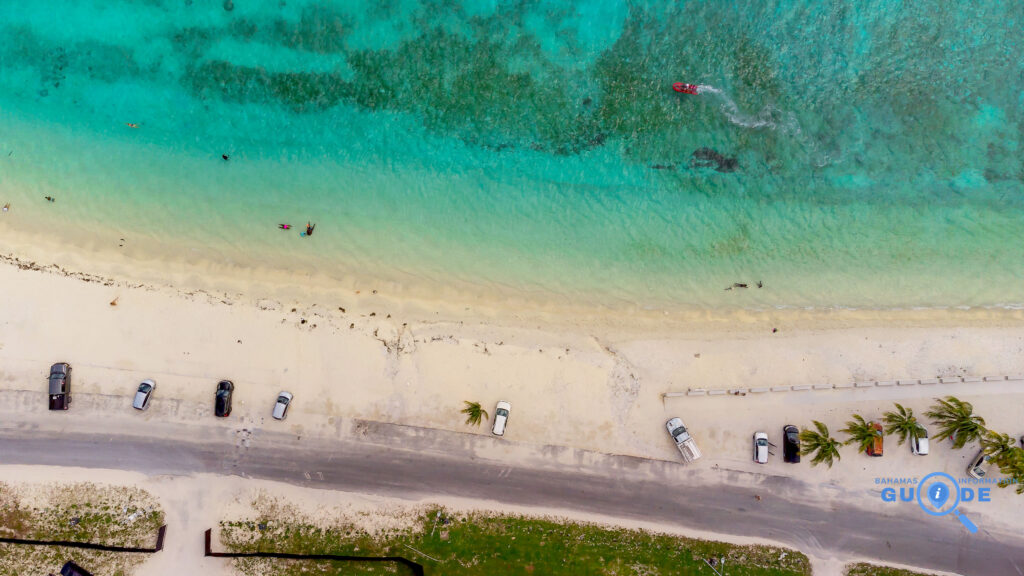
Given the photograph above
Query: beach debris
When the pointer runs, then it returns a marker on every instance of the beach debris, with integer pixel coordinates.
(114, 301)
(50, 198)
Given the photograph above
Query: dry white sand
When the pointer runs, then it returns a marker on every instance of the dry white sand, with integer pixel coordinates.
(585, 378)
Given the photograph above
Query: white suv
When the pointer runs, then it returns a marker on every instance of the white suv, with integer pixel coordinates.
(919, 444)
(500, 418)
(761, 447)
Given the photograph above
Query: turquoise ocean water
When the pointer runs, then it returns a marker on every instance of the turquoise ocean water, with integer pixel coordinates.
(846, 154)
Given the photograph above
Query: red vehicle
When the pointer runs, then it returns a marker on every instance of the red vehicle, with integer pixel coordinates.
(686, 88)
(876, 445)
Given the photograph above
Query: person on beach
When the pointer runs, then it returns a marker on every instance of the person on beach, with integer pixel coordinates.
(7, 207)
(284, 226)
(309, 228)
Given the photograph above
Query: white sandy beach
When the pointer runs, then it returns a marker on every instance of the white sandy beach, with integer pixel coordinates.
(591, 379)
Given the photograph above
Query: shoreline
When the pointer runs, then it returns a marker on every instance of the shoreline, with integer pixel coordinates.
(93, 260)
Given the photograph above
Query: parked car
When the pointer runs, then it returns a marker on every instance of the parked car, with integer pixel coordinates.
(500, 418)
(919, 443)
(143, 395)
(284, 400)
(72, 569)
(760, 447)
(791, 444)
(222, 402)
(876, 445)
(979, 465)
(685, 443)
(60, 386)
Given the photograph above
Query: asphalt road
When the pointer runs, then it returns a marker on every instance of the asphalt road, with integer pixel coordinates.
(416, 463)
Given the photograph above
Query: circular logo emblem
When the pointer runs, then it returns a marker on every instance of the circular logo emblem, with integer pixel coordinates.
(938, 494)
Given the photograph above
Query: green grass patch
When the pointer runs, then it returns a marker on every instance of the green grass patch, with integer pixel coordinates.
(865, 569)
(77, 512)
(476, 544)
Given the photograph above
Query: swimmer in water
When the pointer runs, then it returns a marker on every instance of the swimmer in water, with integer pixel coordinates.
(284, 226)
(309, 228)
(50, 199)
(225, 157)
(131, 125)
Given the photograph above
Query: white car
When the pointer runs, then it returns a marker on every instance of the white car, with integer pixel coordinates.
(761, 447)
(500, 418)
(919, 444)
(143, 395)
(284, 400)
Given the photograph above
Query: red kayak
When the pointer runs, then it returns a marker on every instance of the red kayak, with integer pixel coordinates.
(685, 88)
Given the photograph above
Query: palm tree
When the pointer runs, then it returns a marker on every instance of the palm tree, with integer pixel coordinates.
(955, 418)
(860, 432)
(818, 442)
(474, 413)
(998, 446)
(903, 423)
(1012, 465)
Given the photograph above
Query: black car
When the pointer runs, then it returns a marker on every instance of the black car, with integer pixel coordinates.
(791, 444)
(72, 569)
(222, 405)
(60, 386)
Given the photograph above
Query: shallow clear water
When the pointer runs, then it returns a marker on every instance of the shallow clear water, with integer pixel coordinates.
(855, 156)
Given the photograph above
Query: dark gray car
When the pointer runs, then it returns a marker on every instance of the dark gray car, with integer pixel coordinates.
(60, 386)
(222, 401)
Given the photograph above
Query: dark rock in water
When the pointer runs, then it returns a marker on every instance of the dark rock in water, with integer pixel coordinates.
(663, 166)
(710, 158)
(587, 101)
(229, 5)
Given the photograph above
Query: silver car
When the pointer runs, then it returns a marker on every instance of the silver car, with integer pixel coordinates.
(979, 466)
(760, 447)
(919, 443)
(143, 395)
(284, 400)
